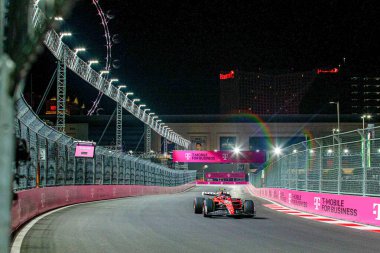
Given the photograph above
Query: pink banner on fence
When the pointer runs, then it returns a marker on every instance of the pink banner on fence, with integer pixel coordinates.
(225, 175)
(84, 151)
(221, 183)
(346, 207)
(33, 202)
(195, 156)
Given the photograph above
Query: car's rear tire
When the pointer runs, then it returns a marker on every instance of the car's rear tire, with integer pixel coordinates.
(249, 208)
(208, 207)
(198, 205)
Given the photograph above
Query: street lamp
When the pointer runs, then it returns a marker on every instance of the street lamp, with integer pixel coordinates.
(58, 18)
(204, 168)
(121, 87)
(90, 62)
(128, 93)
(158, 121)
(338, 112)
(65, 34)
(365, 116)
(79, 49)
(142, 105)
(113, 80)
(104, 72)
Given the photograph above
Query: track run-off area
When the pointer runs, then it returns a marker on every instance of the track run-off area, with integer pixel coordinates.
(167, 223)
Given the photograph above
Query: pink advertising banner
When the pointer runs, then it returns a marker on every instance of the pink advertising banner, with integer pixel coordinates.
(84, 151)
(222, 183)
(353, 208)
(195, 156)
(225, 175)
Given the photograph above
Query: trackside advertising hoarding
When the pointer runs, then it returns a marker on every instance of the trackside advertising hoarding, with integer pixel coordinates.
(197, 156)
(346, 207)
(84, 150)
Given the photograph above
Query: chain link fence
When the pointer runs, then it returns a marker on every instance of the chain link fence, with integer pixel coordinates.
(345, 163)
(53, 162)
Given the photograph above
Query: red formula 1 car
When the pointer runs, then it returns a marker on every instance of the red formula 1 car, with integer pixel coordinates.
(222, 204)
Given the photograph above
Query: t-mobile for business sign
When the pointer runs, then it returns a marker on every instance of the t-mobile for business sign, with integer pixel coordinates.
(197, 156)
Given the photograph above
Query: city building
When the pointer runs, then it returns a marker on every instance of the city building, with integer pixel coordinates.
(72, 107)
(263, 93)
(365, 94)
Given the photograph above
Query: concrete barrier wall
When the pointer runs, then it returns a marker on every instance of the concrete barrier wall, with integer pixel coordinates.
(31, 203)
(346, 207)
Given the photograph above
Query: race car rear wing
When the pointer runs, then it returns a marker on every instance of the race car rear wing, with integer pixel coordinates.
(212, 193)
(209, 193)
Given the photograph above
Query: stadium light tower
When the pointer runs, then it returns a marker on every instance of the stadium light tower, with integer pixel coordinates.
(61, 88)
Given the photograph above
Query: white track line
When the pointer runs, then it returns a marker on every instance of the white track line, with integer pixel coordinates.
(17, 242)
(310, 216)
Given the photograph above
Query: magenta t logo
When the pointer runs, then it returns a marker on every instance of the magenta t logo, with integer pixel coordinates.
(188, 156)
(290, 198)
(317, 202)
(225, 156)
(376, 210)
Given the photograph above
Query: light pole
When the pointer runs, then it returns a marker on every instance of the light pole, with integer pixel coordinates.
(102, 72)
(365, 116)
(79, 49)
(338, 112)
(90, 62)
(64, 34)
(113, 80)
(204, 168)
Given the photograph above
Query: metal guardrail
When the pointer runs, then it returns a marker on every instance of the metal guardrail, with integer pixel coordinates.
(62, 52)
(345, 163)
(52, 158)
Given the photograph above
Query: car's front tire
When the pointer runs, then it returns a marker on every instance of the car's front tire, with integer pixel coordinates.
(249, 208)
(208, 207)
(198, 205)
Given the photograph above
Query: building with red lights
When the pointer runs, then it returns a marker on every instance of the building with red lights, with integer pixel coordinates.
(262, 93)
(72, 107)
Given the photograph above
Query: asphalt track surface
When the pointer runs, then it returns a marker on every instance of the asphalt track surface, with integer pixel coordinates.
(167, 223)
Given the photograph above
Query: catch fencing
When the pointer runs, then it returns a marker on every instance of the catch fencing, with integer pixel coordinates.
(344, 163)
(53, 162)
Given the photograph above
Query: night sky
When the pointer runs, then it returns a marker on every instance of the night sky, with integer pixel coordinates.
(170, 52)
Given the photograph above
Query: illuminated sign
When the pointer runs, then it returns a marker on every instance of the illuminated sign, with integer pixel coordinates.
(229, 75)
(327, 71)
(85, 149)
(198, 156)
